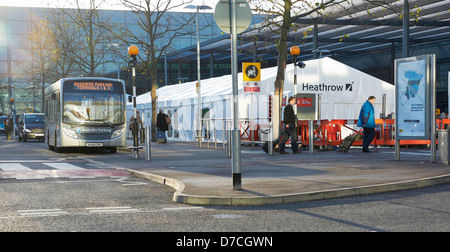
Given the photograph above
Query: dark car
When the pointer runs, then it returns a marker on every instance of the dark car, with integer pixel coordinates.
(31, 126)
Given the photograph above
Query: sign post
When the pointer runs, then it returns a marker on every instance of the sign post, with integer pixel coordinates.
(233, 17)
(133, 51)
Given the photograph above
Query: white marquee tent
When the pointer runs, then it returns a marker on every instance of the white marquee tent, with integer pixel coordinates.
(343, 90)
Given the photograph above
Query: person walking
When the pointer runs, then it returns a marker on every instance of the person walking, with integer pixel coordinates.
(140, 125)
(366, 120)
(162, 125)
(289, 127)
(8, 128)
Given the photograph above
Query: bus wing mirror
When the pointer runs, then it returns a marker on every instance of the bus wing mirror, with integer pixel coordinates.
(130, 98)
(53, 96)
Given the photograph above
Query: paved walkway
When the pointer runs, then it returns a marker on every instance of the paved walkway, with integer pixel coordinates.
(203, 176)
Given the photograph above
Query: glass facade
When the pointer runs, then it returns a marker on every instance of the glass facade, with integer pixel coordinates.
(16, 59)
(16, 24)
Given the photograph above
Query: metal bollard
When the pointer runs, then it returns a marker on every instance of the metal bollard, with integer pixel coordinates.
(135, 140)
(224, 128)
(270, 140)
(311, 137)
(148, 144)
(215, 135)
(229, 143)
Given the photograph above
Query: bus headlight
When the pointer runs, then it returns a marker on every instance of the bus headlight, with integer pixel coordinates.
(27, 130)
(117, 133)
(70, 133)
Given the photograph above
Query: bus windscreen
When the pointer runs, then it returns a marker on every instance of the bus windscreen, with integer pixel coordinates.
(93, 102)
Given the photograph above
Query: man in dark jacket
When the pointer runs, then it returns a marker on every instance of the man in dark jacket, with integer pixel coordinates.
(161, 123)
(289, 127)
(162, 126)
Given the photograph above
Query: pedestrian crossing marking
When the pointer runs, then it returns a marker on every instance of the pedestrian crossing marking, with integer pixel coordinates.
(55, 170)
(21, 167)
(63, 166)
(13, 167)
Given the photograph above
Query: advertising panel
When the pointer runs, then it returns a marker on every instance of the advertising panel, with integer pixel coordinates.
(413, 97)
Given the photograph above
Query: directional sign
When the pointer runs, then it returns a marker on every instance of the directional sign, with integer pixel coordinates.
(222, 15)
(252, 71)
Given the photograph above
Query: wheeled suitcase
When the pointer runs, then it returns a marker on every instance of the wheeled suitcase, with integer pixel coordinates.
(275, 143)
(142, 135)
(348, 141)
(265, 146)
(161, 136)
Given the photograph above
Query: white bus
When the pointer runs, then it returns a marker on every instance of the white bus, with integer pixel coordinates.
(85, 112)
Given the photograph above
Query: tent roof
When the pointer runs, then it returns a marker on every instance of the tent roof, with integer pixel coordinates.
(222, 86)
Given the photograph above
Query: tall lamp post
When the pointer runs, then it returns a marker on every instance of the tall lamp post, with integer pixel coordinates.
(133, 51)
(295, 51)
(198, 7)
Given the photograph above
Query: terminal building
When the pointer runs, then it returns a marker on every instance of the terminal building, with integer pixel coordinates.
(370, 43)
(16, 27)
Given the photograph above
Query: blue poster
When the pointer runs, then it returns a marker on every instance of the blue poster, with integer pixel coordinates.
(412, 107)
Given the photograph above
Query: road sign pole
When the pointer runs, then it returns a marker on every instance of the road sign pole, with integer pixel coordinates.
(199, 99)
(133, 51)
(234, 20)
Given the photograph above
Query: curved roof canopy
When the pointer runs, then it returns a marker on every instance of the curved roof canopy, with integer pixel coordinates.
(359, 29)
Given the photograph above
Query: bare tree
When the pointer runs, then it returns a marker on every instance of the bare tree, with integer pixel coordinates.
(84, 37)
(43, 53)
(158, 30)
(3, 92)
(65, 35)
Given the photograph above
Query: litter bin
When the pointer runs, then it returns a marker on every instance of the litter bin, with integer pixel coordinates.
(443, 146)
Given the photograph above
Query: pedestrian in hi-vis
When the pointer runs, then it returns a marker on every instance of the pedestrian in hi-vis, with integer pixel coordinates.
(367, 121)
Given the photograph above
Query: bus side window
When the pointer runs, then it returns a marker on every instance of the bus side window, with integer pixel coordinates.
(57, 106)
(51, 110)
(46, 109)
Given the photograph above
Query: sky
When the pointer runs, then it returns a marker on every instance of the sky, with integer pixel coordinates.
(110, 4)
(46, 3)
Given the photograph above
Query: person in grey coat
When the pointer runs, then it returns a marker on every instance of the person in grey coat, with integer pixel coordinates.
(8, 128)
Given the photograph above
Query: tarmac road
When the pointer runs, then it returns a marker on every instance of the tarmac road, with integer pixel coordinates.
(134, 204)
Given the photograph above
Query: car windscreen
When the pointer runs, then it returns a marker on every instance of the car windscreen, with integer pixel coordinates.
(34, 119)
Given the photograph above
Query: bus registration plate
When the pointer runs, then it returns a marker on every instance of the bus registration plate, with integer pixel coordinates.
(94, 144)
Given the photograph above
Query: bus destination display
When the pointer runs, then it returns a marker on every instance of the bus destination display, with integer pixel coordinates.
(91, 85)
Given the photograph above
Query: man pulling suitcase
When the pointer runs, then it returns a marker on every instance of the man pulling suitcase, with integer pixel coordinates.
(289, 129)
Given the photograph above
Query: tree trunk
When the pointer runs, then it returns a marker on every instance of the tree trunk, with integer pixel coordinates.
(154, 98)
(279, 81)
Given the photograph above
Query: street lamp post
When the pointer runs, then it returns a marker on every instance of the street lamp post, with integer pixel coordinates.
(295, 51)
(133, 51)
(199, 86)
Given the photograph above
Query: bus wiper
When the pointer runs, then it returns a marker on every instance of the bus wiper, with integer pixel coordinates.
(77, 124)
(105, 121)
